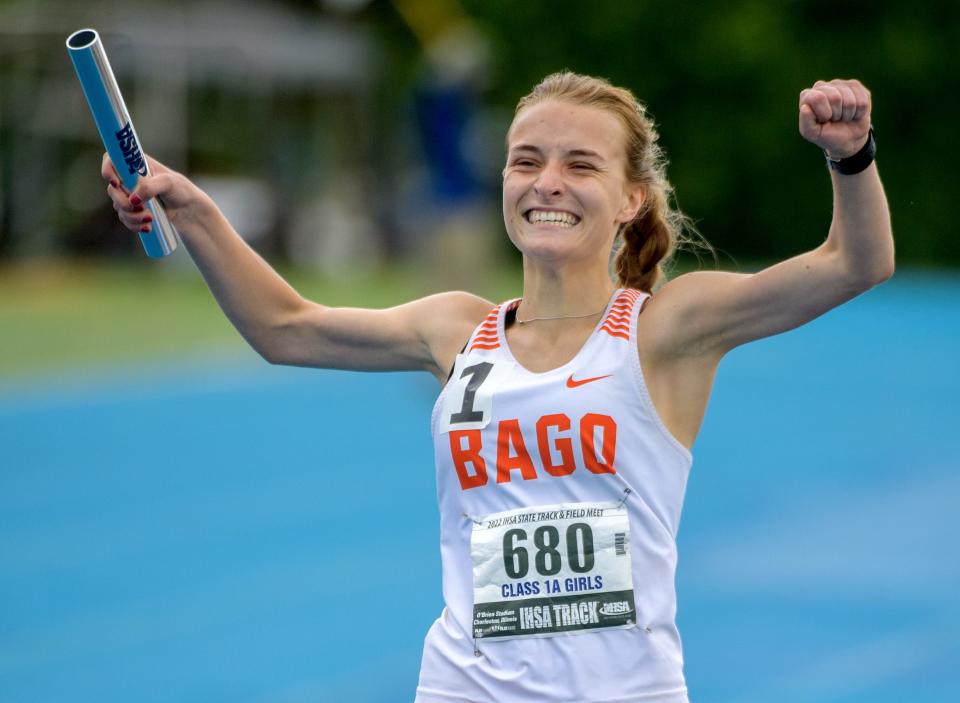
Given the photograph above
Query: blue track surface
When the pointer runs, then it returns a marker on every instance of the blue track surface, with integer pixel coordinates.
(224, 530)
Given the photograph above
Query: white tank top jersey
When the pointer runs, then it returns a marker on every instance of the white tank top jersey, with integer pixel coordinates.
(560, 496)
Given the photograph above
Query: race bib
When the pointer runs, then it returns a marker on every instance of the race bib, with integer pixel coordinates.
(551, 570)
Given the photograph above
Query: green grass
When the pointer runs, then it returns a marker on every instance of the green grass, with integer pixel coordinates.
(62, 315)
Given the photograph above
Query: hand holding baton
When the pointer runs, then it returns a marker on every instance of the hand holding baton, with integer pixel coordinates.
(116, 129)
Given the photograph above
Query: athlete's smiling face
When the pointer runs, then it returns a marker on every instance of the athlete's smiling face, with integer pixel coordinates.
(565, 190)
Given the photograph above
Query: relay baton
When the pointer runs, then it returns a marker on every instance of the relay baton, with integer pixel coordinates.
(116, 130)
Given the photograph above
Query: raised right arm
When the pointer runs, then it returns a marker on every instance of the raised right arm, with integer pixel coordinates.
(278, 322)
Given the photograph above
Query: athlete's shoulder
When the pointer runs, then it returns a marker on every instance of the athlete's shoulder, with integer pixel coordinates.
(671, 316)
(458, 303)
(448, 320)
(452, 309)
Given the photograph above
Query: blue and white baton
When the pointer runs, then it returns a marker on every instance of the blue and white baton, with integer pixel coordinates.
(116, 130)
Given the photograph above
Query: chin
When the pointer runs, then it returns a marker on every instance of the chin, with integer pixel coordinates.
(549, 249)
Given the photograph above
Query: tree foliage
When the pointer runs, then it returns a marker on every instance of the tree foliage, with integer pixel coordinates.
(722, 79)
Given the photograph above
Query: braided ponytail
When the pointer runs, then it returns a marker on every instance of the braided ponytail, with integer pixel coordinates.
(645, 245)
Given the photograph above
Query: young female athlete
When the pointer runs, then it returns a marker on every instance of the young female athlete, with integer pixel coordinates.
(563, 431)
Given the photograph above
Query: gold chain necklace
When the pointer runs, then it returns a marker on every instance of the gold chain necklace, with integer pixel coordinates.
(559, 317)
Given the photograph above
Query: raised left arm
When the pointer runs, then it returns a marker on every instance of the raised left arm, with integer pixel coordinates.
(711, 312)
(836, 117)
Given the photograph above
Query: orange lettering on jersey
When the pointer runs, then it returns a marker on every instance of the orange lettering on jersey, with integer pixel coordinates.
(509, 433)
(471, 454)
(564, 445)
(588, 425)
(553, 439)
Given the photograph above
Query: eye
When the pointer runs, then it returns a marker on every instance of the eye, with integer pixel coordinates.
(523, 162)
(583, 166)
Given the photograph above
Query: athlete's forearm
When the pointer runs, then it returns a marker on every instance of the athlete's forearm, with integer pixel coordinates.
(835, 115)
(860, 230)
(255, 298)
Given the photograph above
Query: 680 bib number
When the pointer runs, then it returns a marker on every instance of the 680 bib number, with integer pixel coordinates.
(549, 570)
(547, 557)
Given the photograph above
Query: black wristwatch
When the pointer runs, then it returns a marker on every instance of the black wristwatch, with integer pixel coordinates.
(857, 162)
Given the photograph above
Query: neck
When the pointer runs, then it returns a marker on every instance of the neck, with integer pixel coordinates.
(564, 293)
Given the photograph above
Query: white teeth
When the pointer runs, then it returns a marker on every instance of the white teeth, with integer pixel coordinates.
(564, 219)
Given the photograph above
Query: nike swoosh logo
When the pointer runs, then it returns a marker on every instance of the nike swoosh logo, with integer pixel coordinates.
(573, 384)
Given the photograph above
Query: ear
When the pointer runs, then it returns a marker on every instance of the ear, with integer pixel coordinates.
(633, 199)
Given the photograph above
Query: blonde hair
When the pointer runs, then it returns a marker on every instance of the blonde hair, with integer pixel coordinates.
(645, 245)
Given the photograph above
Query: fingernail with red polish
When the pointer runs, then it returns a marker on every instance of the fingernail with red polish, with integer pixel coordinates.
(147, 219)
(114, 183)
(135, 199)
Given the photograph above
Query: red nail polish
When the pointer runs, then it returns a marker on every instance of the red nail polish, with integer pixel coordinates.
(147, 219)
(114, 183)
(135, 199)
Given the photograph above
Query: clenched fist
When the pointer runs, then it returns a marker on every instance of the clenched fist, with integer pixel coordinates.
(835, 115)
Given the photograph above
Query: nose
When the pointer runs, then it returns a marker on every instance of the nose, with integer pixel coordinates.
(549, 183)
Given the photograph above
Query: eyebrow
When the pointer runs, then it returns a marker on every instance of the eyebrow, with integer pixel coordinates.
(572, 152)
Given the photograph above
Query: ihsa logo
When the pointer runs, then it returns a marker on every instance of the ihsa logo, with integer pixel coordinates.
(131, 150)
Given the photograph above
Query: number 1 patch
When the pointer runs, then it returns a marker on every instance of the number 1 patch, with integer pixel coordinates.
(552, 570)
(468, 403)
